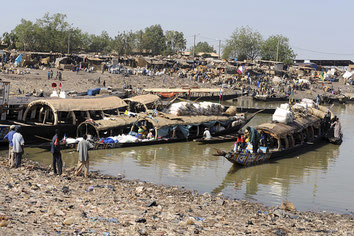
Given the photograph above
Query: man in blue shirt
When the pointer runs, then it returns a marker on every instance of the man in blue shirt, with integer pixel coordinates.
(9, 137)
(55, 150)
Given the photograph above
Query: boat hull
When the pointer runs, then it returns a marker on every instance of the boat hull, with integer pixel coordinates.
(271, 99)
(249, 159)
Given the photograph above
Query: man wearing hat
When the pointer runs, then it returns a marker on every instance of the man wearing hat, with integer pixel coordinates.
(9, 137)
(18, 142)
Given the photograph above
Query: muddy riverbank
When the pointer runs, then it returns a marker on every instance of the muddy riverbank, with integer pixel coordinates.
(33, 200)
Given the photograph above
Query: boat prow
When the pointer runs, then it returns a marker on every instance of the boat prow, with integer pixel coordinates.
(247, 159)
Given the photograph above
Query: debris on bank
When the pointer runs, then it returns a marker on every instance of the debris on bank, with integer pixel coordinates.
(34, 200)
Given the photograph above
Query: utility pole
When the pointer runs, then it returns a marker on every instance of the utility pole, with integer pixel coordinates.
(194, 46)
(278, 50)
(69, 43)
(141, 42)
(219, 48)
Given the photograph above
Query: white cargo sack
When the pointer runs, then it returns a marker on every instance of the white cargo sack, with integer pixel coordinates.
(285, 106)
(308, 102)
(282, 116)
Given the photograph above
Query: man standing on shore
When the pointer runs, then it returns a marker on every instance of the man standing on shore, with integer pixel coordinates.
(9, 137)
(83, 148)
(18, 143)
(55, 150)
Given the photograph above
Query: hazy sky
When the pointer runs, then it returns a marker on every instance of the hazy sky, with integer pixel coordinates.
(314, 25)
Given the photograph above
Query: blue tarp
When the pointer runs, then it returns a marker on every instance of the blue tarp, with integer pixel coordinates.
(18, 59)
(163, 132)
(93, 92)
(109, 140)
(184, 129)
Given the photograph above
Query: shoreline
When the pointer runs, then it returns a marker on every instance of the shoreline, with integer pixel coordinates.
(34, 200)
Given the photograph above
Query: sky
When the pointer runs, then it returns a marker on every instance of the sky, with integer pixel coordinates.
(317, 29)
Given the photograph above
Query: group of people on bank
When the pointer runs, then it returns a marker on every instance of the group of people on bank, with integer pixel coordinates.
(16, 150)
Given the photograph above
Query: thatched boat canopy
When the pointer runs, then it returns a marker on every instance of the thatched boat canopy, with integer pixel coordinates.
(106, 124)
(72, 105)
(144, 99)
(81, 104)
(183, 90)
(280, 130)
(277, 130)
(171, 120)
(111, 122)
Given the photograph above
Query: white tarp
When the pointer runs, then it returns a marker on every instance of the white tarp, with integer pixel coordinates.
(347, 75)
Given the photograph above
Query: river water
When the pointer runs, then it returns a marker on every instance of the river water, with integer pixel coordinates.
(319, 180)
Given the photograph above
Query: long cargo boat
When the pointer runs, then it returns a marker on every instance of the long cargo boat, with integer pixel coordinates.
(167, 128)
(283, 139)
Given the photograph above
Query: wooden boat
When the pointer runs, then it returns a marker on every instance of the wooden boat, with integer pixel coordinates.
(282, 139)
(167, 128)
(330, 99)
(202, 94)
(42, 117)
(271, 98)
(227, 137)
(212, 97)
(218, 139)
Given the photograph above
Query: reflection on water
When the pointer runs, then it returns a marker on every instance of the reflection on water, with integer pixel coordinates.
(317, 180)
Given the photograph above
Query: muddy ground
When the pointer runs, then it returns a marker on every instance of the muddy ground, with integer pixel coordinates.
(82, 81)
(33, 200)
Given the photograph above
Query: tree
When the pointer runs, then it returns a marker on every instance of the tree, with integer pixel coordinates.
(202, 47)
(154, 40)
(9, 39)
(244, 43)
(277, 48)
(54, 32)
(99, 43)
(125, 43)
(26, 34)
(175, 42)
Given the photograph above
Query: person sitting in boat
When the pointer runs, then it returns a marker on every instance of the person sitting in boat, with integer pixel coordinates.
(253, 138)
(150, 134)
(239, 145)
(140, 133)
(206, 134)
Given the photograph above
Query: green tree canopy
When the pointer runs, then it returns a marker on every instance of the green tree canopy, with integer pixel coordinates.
(99, 43)
(202, 47)
(175, 42)
(9, 39)
(125, 42)
(154, 39)
(244, 43)
(277, 48)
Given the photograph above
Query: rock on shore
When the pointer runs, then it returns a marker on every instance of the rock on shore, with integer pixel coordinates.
(33, 200)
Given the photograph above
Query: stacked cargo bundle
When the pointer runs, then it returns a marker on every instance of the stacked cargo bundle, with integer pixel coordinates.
(193, 109)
